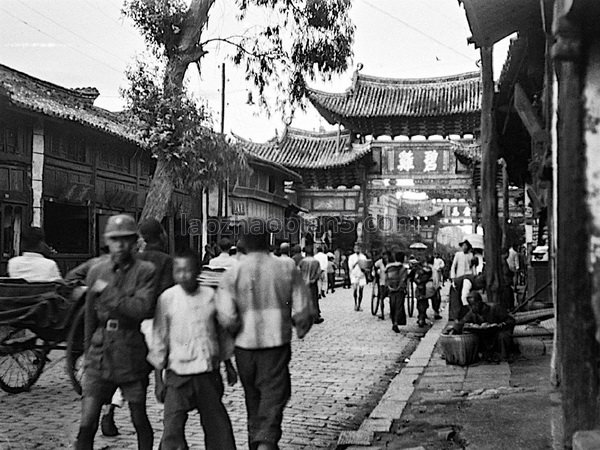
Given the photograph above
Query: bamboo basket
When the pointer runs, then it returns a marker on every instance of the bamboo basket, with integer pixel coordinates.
(459, 349)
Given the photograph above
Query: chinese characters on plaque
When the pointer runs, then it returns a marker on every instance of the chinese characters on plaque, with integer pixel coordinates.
(399, 161)
(431, 157)
(406, 161)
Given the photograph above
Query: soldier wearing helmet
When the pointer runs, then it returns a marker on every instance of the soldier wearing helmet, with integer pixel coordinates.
(121, 294)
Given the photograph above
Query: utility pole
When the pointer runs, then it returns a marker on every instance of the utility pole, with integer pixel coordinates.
(222, 193)
(223, 98)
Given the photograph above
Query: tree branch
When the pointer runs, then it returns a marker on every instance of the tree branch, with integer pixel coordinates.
(195, 21)
(241, 47)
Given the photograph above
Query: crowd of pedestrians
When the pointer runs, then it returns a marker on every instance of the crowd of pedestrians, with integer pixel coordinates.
(146, 311)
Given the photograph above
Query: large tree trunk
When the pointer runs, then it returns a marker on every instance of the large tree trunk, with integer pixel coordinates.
(489, 169)
(162, 185)
(160, 192)
(188, 51)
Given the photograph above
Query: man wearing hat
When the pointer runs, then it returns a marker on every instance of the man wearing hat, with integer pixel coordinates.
(121, 294)
(461, 265)
(153, 250)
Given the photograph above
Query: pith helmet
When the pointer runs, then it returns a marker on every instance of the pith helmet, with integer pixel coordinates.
(119, 226)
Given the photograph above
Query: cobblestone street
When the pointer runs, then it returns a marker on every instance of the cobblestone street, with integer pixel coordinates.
(339, 372)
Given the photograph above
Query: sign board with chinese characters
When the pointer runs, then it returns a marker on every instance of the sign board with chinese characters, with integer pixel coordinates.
(403, 160)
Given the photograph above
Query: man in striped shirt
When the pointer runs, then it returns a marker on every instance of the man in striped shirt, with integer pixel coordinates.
(259, 301)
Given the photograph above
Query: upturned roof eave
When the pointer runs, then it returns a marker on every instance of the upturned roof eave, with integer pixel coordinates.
(356, 152)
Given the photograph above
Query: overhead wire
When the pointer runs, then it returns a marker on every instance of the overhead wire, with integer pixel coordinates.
(428, 5)
(73, 33)
(417, 30)
(97, 8)
(61, 41)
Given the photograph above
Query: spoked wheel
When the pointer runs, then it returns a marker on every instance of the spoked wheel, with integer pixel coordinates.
(411, 299)
(21, 364)
(74, 357)
(375, 299)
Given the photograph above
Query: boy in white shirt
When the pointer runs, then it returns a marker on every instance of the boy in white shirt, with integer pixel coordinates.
(185, 342)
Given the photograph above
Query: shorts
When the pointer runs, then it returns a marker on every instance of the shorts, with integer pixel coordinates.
(362, 281)
(94, 386)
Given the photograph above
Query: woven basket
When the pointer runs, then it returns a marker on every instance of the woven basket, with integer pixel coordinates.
(459, 349)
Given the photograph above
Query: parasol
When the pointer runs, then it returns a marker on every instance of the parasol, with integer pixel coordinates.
(418, 245)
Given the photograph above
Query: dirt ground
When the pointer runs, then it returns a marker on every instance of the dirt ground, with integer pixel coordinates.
(525, 416)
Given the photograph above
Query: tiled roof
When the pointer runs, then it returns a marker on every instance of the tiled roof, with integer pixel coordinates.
(383, 97)
(299, 149)
(376, 105)
(257, 159)
(33, 94)
(513, 69)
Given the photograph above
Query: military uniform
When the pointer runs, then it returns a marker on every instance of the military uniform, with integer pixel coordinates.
(115, 347)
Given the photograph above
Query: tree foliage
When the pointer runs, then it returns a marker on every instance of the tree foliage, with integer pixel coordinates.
(300, 40)
(177, 131)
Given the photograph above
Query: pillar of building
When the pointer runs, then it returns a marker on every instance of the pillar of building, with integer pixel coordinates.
(37, 173)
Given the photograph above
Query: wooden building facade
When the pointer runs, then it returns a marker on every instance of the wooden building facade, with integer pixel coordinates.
(332, 169)
(262, 194)
(66, 166)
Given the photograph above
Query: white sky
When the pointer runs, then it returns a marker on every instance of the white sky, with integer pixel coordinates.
(78, 43)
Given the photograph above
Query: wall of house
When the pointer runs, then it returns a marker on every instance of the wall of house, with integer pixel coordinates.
(15, 182)
(69, 179)
(257, 194)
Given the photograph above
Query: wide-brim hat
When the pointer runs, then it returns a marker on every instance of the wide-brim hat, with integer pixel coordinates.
(466, 241)
(120, 225)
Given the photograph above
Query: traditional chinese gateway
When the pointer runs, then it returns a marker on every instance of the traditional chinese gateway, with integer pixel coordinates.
(397, 140)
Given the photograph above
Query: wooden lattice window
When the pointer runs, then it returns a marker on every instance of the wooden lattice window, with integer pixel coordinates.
(69, 147)
(114, 158)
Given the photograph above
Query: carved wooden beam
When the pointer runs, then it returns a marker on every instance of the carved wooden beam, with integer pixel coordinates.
(528, 115)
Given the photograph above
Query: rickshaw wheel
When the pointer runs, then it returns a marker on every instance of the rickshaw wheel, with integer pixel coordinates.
(20, 367)
(74, 357)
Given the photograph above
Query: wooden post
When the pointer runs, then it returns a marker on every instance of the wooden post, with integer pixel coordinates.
(576, 325)
(489, 167)
(204, 218)
(37, 173)
(221, 187)
(591, 137)
(365, 194)
(505, 206)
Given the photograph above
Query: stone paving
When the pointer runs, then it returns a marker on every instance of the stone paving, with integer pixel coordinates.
(340, 371)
